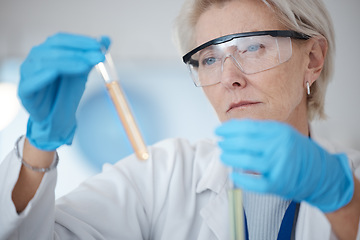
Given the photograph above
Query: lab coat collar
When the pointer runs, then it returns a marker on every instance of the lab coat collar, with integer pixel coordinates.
(215, 176)
(216, 212)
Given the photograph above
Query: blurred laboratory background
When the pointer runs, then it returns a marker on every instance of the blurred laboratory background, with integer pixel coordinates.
(159, 89)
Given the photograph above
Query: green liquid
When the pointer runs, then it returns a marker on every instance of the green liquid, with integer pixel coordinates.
(236, 214)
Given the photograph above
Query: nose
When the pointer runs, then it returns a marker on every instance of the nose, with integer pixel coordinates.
(231, 74)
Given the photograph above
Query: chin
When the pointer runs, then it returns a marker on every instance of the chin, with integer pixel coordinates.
(254, 115)
(243, 116)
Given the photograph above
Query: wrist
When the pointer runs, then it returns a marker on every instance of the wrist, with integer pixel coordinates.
(345, 220)
(347, 187)
(35, 159)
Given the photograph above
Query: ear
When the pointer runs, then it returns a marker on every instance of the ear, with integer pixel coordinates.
(317, 49)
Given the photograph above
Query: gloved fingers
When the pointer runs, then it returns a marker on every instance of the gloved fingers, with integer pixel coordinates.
(105, 42)
(266, 137)
(256, 137)
(27, 86)
(43, 97)
(38, 80)
(235, 127)
(250, 141)
(39, 71)
(244, 142)
(73, 41)
(251, 128)
(56, 55)
(275, 173)
(61, 98)
(246, 162)
(250, 182)
(65, 64)
(237, 140)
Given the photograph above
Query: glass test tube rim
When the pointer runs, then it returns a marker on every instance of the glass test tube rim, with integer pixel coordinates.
(117, 96)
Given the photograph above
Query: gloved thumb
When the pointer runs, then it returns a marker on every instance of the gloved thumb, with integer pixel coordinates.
(105, 42)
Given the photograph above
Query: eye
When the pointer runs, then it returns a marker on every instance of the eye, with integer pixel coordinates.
(209, 61)
(253, 48)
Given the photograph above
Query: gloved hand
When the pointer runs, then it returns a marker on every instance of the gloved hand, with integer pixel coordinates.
(272, 157)
(53, 78)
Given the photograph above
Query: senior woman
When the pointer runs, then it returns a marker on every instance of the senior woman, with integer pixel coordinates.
(264, 66)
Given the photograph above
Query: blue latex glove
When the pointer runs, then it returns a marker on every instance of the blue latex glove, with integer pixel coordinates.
(53, 78)
(287, 164)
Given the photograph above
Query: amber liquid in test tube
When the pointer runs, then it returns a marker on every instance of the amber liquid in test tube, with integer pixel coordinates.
(108, 72)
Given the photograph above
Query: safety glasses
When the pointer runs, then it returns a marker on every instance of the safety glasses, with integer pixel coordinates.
(251, 52)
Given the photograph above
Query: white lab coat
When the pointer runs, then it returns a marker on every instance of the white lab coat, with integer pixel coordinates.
(179, 193)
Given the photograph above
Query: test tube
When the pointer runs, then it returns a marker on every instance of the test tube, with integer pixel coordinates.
(236, 214)
(108, 72)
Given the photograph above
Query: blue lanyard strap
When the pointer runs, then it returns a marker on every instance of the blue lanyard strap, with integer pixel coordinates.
(288, 223)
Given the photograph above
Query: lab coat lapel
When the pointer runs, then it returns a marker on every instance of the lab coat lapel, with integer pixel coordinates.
(216, 216)
(216, 213)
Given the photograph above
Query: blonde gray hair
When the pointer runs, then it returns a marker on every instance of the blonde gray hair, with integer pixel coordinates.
(306, 16)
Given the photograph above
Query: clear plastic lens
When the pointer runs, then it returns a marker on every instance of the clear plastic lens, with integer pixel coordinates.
(250, 54)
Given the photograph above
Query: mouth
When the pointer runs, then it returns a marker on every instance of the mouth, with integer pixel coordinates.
(242, 105)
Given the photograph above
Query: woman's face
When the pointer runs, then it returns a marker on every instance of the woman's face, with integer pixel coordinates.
(276, 94)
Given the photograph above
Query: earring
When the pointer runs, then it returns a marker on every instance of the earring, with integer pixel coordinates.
(308, 87)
